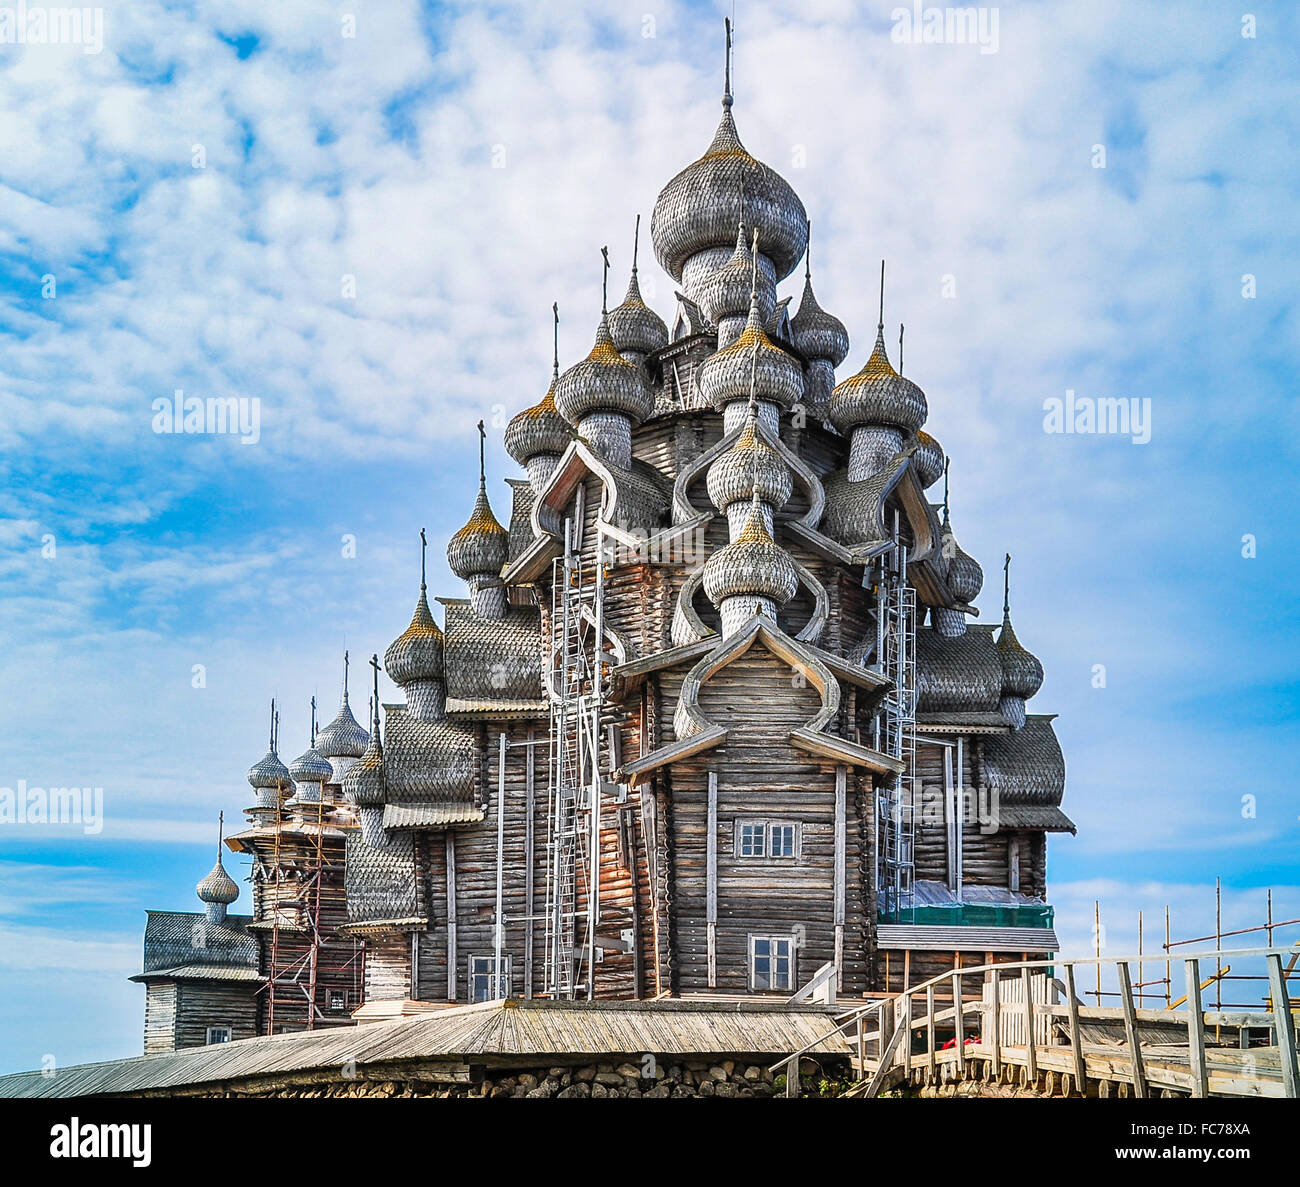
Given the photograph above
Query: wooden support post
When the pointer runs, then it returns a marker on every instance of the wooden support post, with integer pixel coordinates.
(995, 1012)
(862, 1044)
(1130, 1029)
(1031, 1052)
(1076, 1043)
(711, 879)
(960, 1022)
(905, 1021)
(841, 867)
(929, 1027)
(451, 915)
(1196, 1030)
(1284, 1025)
(530, 842)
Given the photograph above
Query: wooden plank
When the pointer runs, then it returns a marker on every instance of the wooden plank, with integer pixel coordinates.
(1284, 1025)
(1031, 1050)
(529, 860)
(1076, 1045)
(1196, 1030)
(841, 868)
(995, 1014)
(1130, 1029)
(886, 1059)
(905, 1022)
(959, 1020)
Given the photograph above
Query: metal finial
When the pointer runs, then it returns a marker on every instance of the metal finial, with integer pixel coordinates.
(482, 464)
(726, 83)
(221, 829)
(604, 282)
(1006, 585)
(881, 324)
(345, 677)
(636, 242)
(753, 269)
(374, 663)
(900, 347)
(947, 462)
(807, 254)
(424, 546)
(272, 741)
(313, 722)
(555, 357)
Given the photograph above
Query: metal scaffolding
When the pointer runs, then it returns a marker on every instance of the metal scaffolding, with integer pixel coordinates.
(573, 844)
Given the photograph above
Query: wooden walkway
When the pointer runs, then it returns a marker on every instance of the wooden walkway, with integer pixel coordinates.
(1020, 1024)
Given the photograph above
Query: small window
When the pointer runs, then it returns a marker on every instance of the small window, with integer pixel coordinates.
(483, 985)
(218, 1034)
(338, 1001)
(774, 840)
(771, 962)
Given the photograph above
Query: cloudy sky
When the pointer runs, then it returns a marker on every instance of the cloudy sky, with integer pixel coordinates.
(362, 223)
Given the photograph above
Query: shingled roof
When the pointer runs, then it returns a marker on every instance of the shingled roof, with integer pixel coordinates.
(493, 665)
(187, 945)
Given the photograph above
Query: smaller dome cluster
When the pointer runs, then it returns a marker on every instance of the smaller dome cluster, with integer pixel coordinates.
(776, 377)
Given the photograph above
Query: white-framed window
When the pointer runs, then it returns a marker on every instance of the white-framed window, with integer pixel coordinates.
(338, 1001)
(484, 986)
(767, 840)
(771, 962)
(218, 1034)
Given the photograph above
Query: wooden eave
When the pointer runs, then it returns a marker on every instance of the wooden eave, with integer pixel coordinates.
(635, 772)
(842, 750)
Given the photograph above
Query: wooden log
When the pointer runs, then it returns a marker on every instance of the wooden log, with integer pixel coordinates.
(1076, 1044)
(1284, 1025)
(1031, 1052)
(1196, 1030)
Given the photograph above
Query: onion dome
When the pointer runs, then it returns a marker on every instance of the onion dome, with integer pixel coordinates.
(417, 653)
(482, 545)
(364, 784)
(1022, 674)
(634, 326)
(927, 460)
(752, 565)
(310, 767)
(726, 291)
(701, 206)
(965, 575)
(270, 773)
(877, 395)
(343, 737)
(725, 376)
(540, 429)
(750, 465)
(818, 334)
(603, 382)
(218, 886)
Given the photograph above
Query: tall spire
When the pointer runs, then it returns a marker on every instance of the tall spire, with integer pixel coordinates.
(221, 828)
(424, 547)
(482, 463)
(1006, 586)
(555, 357)
(636, 242)
(880, 325)
(313, 722)
(807, 255)
(900, 347)
(726, 80)
(346, 662)
(604, 288)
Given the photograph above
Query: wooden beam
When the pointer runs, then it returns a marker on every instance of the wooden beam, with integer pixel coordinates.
(451, 915)
(996, 1014)
(1196, 1030)
(929, 1026)
(1130, 1029)
(530, 842)
(1076, 1043)
(959, 1019)
(886, 1059)
(841, 867)
(1284, 1024)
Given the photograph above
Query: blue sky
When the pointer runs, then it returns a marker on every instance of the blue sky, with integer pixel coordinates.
(464, 163)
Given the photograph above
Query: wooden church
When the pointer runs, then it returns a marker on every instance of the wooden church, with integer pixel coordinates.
(713, 715)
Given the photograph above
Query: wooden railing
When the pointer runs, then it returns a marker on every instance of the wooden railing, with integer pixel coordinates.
(1019, 1022)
